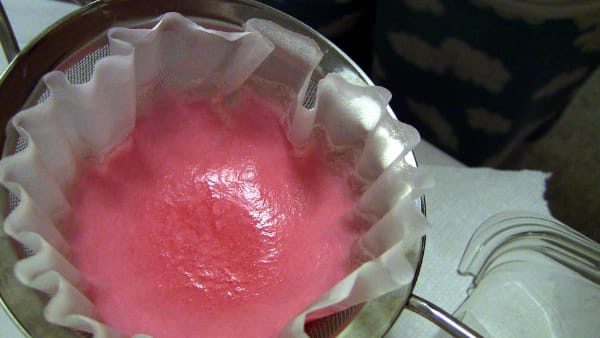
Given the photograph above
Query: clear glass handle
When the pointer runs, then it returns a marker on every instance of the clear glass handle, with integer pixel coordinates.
(511, 231)
(532, 277)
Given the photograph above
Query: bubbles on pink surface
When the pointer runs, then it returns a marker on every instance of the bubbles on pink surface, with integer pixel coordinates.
(219, 230)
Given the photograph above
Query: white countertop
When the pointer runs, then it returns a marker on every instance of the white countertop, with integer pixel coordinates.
(462, 199)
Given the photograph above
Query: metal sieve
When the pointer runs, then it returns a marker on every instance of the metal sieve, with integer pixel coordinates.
(73, 45)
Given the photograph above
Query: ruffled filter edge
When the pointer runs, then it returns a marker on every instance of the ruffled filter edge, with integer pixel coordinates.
(88, 120)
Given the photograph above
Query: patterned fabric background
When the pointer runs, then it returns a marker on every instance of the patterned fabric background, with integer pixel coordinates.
(475, 77)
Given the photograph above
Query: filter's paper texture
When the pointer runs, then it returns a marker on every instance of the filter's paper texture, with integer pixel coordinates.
(77, 122)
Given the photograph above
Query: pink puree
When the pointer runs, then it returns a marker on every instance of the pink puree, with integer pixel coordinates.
(206, 225)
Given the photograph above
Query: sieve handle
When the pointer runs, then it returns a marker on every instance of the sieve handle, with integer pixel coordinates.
(441, 318)
(7, 36)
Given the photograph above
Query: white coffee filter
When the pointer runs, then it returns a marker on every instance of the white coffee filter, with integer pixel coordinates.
(78, 122)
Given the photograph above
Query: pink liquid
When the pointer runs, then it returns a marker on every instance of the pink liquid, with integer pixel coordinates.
(204, 224)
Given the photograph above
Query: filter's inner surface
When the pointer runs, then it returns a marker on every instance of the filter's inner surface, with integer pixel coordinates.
(78, 69)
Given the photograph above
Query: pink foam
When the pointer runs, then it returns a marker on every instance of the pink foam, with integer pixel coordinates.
(204, 223)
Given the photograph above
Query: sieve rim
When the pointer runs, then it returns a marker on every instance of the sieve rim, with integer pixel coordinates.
(20, 79)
